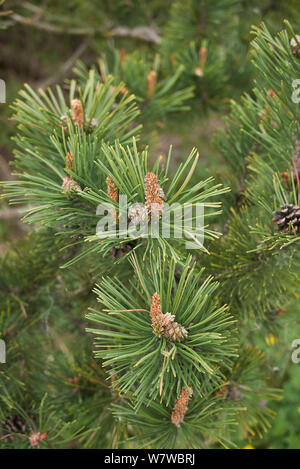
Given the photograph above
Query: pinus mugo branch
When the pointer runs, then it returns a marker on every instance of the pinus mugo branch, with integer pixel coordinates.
(164, 333)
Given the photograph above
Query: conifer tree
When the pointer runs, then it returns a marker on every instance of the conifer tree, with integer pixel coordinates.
(173, 364)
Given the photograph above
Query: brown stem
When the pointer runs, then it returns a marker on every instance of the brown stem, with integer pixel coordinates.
(297, 178)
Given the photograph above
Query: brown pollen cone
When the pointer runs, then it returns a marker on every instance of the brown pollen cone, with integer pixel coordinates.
(181, 406)
(112, 191)
(151, 83)
(77, 112)
(156, 314)
(69, 160)
(202, 56)
(154, 195)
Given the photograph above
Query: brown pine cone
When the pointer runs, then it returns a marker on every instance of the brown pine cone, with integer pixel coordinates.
(234, 394)
(70, 186)
(14, 424)
(294, 45)
(121, 251)
(288, 216)
(175, 332)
